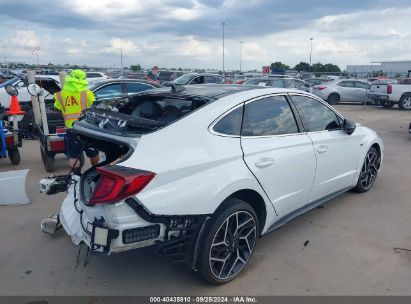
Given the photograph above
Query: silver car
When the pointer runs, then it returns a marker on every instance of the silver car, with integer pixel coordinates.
(342, 90)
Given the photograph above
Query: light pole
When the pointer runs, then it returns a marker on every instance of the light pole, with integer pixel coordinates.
(36, 53)
(121, 55)
(311, 50)
(223, 24)
(241, 49)
(4, 54)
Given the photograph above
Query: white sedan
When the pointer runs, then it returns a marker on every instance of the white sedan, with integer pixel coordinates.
(342, 90)
(203, 171)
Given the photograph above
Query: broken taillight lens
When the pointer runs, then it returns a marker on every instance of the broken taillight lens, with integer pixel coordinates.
(117, 182)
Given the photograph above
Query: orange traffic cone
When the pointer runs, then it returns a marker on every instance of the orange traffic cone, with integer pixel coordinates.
(15, 107)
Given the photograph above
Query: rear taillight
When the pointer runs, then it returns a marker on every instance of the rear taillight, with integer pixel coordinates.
(9, 139)
(117, 183)
(389, 89)
(321, 87)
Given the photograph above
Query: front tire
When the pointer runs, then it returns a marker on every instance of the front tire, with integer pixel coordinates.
(229, 242)
(369, 171)
(333, 99)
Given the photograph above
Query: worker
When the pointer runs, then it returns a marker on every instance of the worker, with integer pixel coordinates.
(71, 101)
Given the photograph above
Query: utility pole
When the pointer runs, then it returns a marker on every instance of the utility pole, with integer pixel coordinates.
(241, 49)
(311, 51)
(4, 54)
(223, 24)
(121, 56)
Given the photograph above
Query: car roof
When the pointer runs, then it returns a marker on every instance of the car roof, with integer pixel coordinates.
(273, 78)
(108, 81)
(203, 74)
(206, 91)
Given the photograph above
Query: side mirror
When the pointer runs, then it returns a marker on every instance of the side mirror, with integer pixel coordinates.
(11, 90)
(349, 126)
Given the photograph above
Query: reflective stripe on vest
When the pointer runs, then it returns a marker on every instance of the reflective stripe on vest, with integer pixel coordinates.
(60, 99)
(83, 100)
(71, 116)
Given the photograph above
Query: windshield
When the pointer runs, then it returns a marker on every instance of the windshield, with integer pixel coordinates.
(184, 79)
(10, 81)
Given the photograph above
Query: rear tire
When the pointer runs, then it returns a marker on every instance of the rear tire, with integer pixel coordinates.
(369, 171)
(14, 156)
(229, 241)
(333, 99)
(48, 160)
(405, 102)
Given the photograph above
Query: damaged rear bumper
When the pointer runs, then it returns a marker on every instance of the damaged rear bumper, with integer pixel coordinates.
(104, 231)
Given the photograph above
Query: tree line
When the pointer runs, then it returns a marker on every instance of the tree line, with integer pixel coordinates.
(305, 67)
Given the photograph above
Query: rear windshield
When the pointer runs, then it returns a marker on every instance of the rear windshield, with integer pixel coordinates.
(184, 79)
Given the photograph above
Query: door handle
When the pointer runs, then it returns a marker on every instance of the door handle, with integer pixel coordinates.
(322, 149)
(264, 162)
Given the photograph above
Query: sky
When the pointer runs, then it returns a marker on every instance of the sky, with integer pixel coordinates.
(188, 33)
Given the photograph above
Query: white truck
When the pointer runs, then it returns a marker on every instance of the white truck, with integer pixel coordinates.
(390, 92)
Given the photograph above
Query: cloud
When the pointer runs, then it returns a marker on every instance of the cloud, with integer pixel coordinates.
(188, 33)
(117, 44)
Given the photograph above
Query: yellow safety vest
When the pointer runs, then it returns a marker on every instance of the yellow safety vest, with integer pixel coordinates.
(71, 104)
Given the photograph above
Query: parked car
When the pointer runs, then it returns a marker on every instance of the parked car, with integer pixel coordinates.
(163, 76)
(140, 76)
(343, 90)
(279, 82)
(95, 76)
(200, 78)
(20, 83)
(316, 81)
(390, 93)
(240, 79)
(278, 76)
(117, 88)
(203, 171)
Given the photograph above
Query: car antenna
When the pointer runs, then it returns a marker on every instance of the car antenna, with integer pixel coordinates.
(176, 88)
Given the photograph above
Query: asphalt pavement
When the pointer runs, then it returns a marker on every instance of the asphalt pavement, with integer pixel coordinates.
(347, 247)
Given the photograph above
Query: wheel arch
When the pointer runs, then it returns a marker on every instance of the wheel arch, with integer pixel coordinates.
(405, 94)
(255, 200)
(334, 93)
(377, 147)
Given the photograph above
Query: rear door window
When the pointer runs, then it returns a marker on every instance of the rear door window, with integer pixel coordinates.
(268, 116)
(135, 87)
(210, 79)
(362, 85)
(109, 91)
(346, 84)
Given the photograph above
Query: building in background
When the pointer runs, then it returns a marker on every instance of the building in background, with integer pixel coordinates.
(390, 68)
